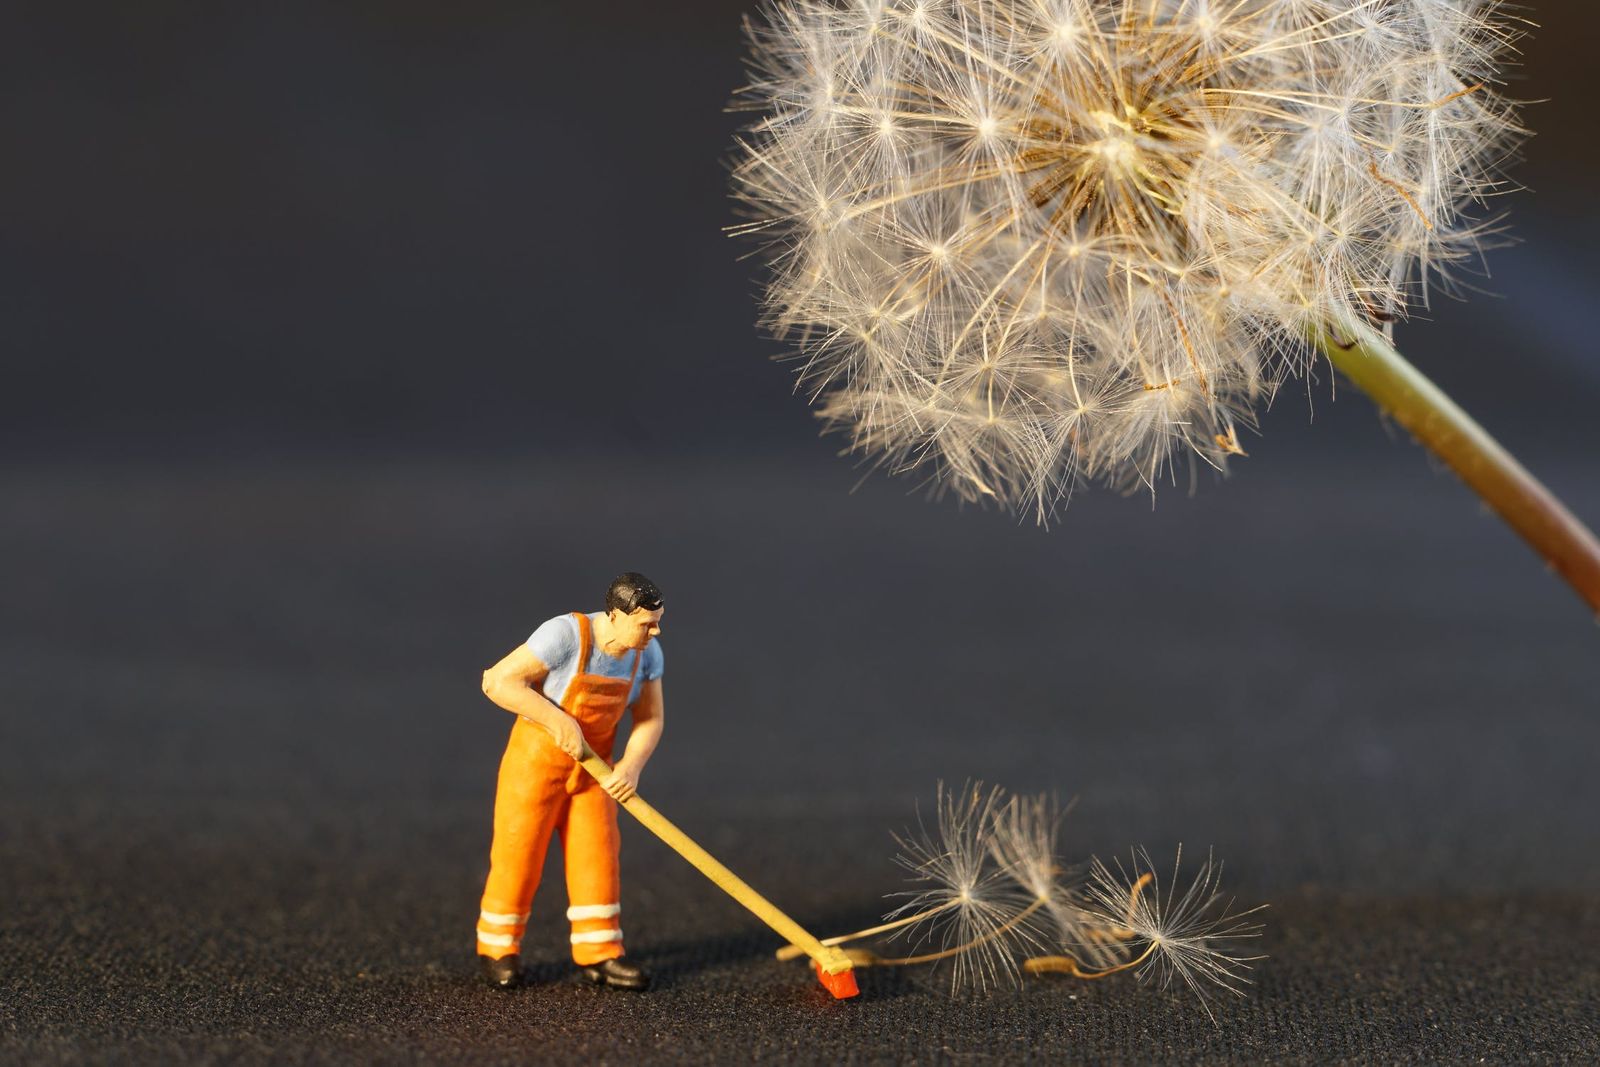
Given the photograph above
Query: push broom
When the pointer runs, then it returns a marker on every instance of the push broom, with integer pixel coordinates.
(831, 964)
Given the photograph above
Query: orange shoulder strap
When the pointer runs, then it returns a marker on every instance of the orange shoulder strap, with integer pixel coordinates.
(585, 642)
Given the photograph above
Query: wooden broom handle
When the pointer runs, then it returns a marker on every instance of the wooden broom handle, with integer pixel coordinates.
(830, 960)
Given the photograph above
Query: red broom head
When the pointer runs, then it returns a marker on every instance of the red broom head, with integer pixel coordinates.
(841, 985)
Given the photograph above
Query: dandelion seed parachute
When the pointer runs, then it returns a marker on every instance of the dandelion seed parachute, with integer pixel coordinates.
(1190, 934)
(1023, 845)
(1024, 244)
(969, 912)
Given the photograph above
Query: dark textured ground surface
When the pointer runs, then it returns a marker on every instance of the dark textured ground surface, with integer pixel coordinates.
(245, 775)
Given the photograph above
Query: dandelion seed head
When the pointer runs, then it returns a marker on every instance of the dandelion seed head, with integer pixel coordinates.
(1152, 200)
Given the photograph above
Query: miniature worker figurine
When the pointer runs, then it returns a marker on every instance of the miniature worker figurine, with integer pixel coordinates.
(569, 684)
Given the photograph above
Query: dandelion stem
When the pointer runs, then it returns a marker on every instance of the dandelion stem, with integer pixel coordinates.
(1068, 965)
(792, 952)
(1566, 544)
(930, 957)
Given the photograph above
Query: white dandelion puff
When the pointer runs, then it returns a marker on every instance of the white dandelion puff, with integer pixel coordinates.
(1026, 243)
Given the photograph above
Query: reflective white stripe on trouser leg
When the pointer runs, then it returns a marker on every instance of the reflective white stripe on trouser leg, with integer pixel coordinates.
(496, 918)
(593, 911)
(497, 940)
(595, 937)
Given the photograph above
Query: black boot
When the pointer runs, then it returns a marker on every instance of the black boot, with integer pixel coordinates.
(620, 972)
(502, 973)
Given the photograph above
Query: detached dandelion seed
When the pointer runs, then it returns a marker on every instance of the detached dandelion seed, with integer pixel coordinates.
(969, 913)
(1189, 934)
(1023, 245)
(1023, 845)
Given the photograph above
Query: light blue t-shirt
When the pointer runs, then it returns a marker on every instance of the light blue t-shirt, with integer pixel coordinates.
(556, 644)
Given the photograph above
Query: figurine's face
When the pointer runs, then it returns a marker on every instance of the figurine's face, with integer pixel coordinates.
(636, 628)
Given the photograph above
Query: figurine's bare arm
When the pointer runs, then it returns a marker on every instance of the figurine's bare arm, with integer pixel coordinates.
(510, 684)
(649, 719)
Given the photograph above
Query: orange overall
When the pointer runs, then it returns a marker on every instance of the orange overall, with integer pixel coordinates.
(542, 789)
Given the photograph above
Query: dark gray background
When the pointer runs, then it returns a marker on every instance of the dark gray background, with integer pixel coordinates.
(345, 343)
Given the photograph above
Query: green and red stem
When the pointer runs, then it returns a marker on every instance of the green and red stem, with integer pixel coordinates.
(1568, 546)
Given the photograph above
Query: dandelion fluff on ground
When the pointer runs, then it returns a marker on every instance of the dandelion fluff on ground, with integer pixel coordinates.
(971, 910)
(1023, 844)
(1028, 244)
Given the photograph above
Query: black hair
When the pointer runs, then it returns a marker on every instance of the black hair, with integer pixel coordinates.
(631, 591)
